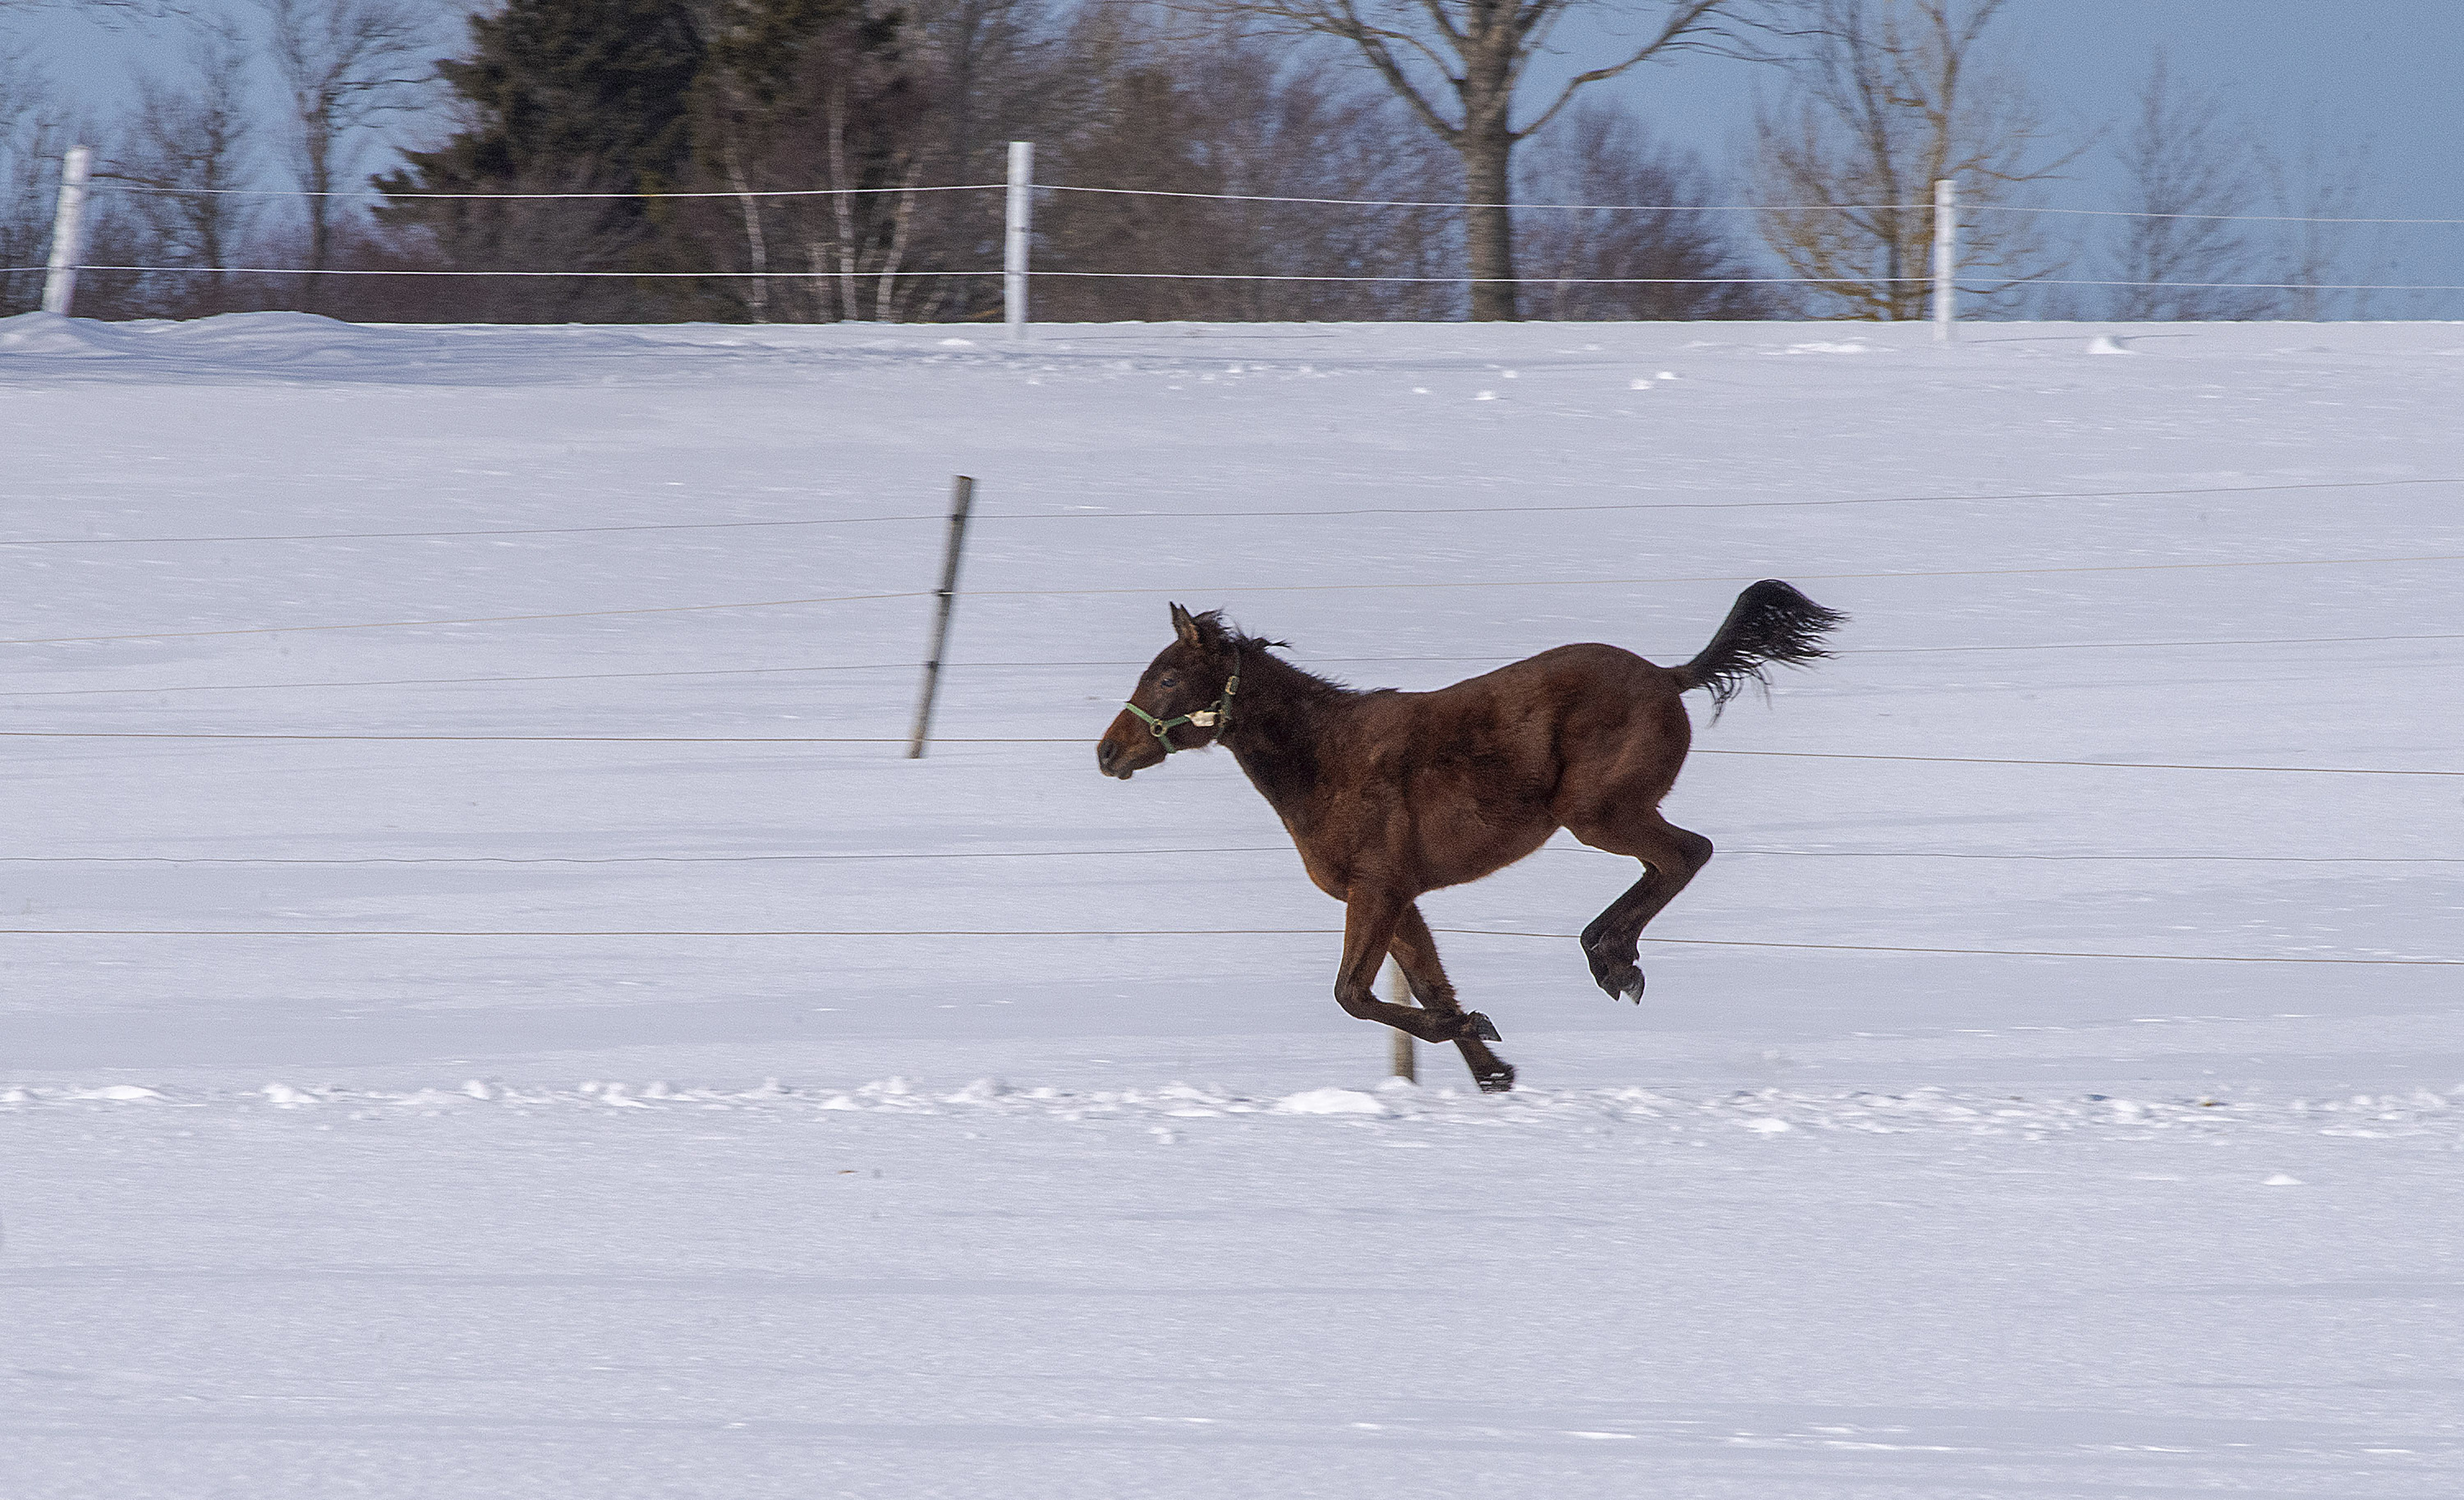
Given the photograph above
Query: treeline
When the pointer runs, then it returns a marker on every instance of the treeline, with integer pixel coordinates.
(653, 160)
(744, 100)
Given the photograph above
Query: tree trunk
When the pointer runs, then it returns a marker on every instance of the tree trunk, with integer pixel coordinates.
(317, 132)
(885, 307)
(756, 248)
(842, 205)
(1487, 156)
(1895, 292)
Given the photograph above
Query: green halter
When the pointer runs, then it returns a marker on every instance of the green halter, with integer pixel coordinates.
(1216, 718)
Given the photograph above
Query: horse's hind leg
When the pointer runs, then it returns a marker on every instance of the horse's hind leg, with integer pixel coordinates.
(1673, 856)
(1416, 953)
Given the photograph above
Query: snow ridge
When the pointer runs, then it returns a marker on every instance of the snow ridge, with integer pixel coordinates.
(1768, 1111)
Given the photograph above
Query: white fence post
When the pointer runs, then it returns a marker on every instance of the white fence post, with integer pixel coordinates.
(59, 281)
(1014, 240)
(1945, 258)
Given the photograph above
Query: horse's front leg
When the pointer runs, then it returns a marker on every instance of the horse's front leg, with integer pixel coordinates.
(1369, 922)
(1416, 954)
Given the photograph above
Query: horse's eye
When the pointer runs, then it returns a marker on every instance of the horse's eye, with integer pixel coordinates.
(1171, 682)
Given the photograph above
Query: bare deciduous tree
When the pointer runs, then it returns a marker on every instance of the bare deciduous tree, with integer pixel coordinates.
(1671, 262)
(1457, 64)
(2317, 193)
(2184, 169)
(34, 132)
(343, 65)
(988, 60)
(1895, 95)
(1183, 108)
(190, 132)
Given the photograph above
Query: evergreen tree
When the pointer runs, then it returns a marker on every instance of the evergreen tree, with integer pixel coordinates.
(563, 96)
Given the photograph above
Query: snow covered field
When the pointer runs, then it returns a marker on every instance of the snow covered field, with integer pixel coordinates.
(590, 1157)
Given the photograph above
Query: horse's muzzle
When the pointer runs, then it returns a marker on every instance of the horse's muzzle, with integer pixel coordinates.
(1124, 752)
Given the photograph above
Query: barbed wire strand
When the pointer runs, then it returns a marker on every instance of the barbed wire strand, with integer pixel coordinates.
(490, 531)
(100, 185)
(1238, 588)
(1230, 276)
(493, 619)
(2262, 286)
(1132, 276)
(1042, 666)
(2138, 766)
(1576, 207)
(1221, 515)
(1726, 852)
(1072, 740)
(2235, 218)
(1199, 931)
(105, 184)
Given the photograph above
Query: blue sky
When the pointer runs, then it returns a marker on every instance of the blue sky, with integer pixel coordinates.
(2380, 82)
(2376, 82)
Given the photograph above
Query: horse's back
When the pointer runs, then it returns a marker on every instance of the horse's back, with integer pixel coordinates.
(1594, 663)
(1534, 711)
(1602, 721)
(1568, 676)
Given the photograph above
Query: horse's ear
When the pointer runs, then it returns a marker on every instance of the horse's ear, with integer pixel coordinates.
(1183, 626)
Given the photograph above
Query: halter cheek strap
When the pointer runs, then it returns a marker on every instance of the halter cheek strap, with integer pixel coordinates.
(1217, 719)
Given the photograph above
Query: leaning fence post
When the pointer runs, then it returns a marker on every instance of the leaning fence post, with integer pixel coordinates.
(1013, 238)
(59, 281)
(1407, 1060)
(962, 498)
(1945, 257)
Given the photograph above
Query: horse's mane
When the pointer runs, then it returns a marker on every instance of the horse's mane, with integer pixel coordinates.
(1217, 631)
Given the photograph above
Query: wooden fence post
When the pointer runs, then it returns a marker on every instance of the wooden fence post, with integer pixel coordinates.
(1406, 1054)
(962, 498)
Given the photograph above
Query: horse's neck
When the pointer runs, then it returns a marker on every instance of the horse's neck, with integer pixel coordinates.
(1282, 718)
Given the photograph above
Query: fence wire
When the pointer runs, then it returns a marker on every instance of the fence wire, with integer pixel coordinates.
(835, 856)
(1191, 932)
(1059, 666)
(1232, 588)
(1328, 514)
(1230, 276)
(112, 184)
(210, 735)
(109, 184)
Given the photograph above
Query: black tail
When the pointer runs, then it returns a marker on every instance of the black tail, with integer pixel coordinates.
(1771, 622)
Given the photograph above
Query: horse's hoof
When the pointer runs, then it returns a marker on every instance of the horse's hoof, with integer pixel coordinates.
(1620, 981)
(1498, 1082)
(1476, 1028)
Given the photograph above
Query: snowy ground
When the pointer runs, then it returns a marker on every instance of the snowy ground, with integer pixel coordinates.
(695, 1212)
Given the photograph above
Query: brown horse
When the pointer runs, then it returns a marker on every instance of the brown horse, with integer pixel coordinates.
(1391, 794)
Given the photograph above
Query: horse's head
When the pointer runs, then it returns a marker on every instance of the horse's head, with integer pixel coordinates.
(1181, 702)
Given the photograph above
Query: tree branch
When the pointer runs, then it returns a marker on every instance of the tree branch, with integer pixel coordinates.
(1687, 16)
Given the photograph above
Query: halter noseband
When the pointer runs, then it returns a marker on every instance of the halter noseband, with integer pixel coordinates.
(1216, 718)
